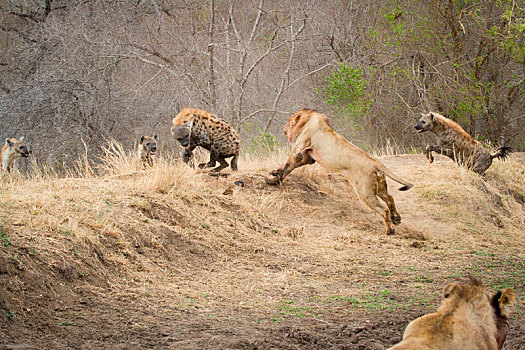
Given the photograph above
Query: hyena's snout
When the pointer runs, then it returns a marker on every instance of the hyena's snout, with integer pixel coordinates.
(26, 151)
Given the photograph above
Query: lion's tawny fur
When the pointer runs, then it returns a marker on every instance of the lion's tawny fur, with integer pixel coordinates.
(467, 319)
(314, 140)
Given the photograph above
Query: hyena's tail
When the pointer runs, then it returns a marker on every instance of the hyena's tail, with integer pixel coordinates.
(407, 185)
(502, 153)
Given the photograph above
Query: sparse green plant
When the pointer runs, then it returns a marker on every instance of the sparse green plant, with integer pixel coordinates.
(345, 90)
(264, 143)
(5, 240)
(384, 272)
(288, 308)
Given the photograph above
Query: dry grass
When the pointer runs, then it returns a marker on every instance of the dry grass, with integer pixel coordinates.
(170, 233)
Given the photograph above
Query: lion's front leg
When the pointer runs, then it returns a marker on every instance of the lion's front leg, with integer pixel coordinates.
(294, 161)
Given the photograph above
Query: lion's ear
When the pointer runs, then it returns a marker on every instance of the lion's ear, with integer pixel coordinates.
(449, 290)
(507, 297)
(296, 119)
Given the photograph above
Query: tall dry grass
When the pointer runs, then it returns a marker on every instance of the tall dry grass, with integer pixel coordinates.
(161, 226)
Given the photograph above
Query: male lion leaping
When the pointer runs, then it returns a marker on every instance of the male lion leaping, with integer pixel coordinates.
(455, 143)
(314, 140)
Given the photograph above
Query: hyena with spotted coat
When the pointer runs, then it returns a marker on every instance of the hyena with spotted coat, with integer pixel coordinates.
(12, 150)
(457, 144)
(194, 127)
(147, 149)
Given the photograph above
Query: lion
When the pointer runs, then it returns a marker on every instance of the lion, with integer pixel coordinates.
(469, 318)
(457, 144)
(314, 140)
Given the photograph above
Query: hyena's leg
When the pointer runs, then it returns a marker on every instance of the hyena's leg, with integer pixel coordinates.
(482, 163)
(187, 157)
(211, 163)
(428, 152)
(222, 164)
(444, 151)
(367, 192)
(382, 192)
(233, 162)
(304, 157)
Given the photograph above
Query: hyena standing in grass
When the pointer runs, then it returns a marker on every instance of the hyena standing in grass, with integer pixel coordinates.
(147, 149)
(457, 144)
(12, 150)
(194, 127)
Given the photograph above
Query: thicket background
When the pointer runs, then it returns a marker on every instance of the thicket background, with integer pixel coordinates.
(87, 70)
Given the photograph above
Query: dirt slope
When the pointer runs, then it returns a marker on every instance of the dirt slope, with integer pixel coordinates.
(170, 259)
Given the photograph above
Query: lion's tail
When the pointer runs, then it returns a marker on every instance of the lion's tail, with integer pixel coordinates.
(387, 172)
(502, 153)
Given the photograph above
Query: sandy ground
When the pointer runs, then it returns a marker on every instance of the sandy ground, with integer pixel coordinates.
(301, 266)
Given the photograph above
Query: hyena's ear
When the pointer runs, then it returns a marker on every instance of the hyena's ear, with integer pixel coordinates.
(21, 139)
(142, 139)
(8, 142)
(155, 137)
(189, 123)
(432, 116)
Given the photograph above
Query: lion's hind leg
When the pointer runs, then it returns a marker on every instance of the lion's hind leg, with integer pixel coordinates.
(382, 192)
(367, 192)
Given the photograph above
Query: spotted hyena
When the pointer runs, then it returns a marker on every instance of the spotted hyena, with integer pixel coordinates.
(147, 149)
(12, 150)
(195, 127)
(455, 143)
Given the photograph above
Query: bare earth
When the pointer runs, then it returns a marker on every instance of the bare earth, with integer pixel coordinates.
(158, 261)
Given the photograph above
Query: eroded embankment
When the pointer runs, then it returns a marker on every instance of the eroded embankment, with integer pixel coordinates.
(168, 258)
